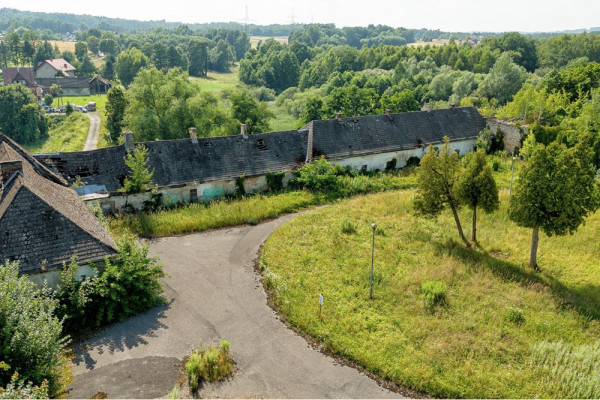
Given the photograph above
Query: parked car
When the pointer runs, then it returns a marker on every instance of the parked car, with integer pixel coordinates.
(91, 106)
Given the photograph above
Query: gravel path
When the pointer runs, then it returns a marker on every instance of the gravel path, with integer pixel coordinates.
(213, 293)
(91, 143)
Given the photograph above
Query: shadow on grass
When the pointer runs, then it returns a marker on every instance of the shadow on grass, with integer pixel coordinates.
(585, 300)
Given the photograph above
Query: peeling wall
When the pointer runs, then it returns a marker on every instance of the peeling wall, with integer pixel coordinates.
(52, 279)
(512, 133)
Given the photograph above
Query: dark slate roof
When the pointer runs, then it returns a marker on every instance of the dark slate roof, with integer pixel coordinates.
(359, 136)
(65, 83)
(25, 72)
(101, 80)
(42, 221)
(180, 162)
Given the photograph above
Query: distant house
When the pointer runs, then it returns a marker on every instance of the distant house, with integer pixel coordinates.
(70, 86)
(43, 222)
(24, 76)
(51, 68)
(99, 85)
(202, 169)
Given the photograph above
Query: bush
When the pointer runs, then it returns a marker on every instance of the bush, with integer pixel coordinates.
(69, 109)
(348, 227)
(319, 176)
(391, 165)
(125, 288)
(212, 364)
(19, 389)
(514, 315)
(275, 181)
(31, 339)
(239, 183)
(433, 293)
(413, 161)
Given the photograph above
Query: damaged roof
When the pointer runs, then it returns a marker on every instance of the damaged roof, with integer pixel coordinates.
(42, 221)
(180, 162)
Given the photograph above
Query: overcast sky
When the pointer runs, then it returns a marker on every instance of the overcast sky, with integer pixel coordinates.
(457, 16)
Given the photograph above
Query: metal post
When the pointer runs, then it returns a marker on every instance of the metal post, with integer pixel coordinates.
(512, 173)
(374, 226)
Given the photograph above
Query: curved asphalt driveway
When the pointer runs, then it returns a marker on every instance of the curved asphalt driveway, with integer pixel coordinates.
(214, 293)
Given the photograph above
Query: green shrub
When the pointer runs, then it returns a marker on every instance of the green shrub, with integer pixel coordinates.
(391, 165)
(127, 287)
(211, 364)
(347, 226)
(413, 161)
(19, 389)
(31, 339)
(275, 181)
(319, 176)
(514, 315)
(239, 183)
(433, 293)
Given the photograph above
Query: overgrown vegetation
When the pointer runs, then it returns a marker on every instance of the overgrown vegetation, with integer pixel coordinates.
(128, 286)
(31, 341)
(65, 133)
(208, 365)
(139, 179)
(472, 346)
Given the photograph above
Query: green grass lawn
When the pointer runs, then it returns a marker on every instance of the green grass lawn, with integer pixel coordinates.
(65, 134)
(504, 331)
(100, 100)
(218, 81)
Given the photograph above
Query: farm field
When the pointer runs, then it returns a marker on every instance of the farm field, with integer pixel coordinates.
(63, 45)
(255, 39)
(502, 331)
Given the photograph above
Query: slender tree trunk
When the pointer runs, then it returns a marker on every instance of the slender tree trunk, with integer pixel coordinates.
(459, 227)
(474, 233)
(534, 246)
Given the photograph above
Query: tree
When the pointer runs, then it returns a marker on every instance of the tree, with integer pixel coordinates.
(129, 64)
(221, 56)
(43, 52)
(86, 68)
(140, 177)
(437, 177)
(504, 80)
(21, 117)
(313, 110)
(249, 111)
(477, 188)
(93, 44)
(56, 91)
(556, 191)
(116, 104)
(403, 101)
(198, 55)
(351, 101)
(31, 339)
(108, 70)
(81, 50)
(48, 99)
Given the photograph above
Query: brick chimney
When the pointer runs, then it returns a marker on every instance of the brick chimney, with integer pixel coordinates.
(388, 112)
(193, 135)
(8, 169)
(129, 145)
(244, 131)
(338, 116)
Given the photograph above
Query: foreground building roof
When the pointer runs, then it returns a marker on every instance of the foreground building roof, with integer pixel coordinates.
(42, 221)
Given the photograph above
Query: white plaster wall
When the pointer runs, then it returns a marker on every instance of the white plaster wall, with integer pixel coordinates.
(45, 71)
(52, 278)
(379, 161)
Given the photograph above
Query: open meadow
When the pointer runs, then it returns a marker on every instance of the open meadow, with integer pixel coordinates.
(493, 329)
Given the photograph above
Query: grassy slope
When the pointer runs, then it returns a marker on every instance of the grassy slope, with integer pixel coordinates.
(218, 81)
(468, 348)
(100, 100)
(65, 134)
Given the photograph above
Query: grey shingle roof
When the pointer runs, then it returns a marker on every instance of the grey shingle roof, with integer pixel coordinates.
(42, 219)
(180, 162)
(65, 83)
(359, 136)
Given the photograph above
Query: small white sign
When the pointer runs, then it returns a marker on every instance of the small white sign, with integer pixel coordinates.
(321, 299)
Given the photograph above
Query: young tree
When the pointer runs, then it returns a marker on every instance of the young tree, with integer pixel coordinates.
(140, 177)
(116, 103)
(251, 112)
(81, 50)
(128, 65)
(556, 191)
(437, 177)
(477, 188)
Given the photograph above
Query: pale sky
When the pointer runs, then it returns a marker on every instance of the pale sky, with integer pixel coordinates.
(456, 16)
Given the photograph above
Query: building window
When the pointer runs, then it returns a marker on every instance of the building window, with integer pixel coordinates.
(193, 195)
